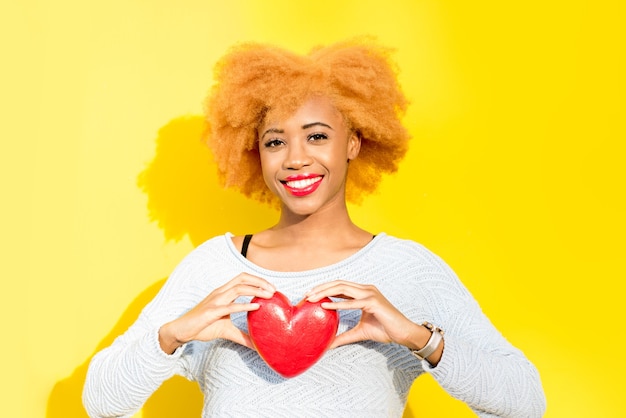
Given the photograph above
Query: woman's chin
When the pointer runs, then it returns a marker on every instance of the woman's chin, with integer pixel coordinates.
(300, 208)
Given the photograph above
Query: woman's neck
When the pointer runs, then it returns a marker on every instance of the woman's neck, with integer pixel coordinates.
(298, 243)
(327, 222)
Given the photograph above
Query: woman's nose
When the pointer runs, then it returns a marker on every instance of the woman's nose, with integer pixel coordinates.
(296, 157)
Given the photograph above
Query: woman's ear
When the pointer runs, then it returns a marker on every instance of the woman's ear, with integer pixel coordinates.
(354, 145)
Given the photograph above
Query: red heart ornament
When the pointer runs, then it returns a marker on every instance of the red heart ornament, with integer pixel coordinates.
(291, 338)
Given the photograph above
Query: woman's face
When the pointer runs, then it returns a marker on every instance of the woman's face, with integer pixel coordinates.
(304, 158)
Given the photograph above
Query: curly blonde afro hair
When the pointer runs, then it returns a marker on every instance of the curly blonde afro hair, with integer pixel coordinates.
(359, 78)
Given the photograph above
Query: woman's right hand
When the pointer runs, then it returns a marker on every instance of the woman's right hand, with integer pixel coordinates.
(210, 319)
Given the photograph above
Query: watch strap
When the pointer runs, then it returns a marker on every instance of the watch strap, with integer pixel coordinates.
(431, 346)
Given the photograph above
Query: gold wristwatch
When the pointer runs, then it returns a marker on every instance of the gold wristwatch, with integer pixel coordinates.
(436, 336)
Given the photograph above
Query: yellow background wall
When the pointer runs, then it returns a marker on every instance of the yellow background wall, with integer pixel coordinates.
(515, 175)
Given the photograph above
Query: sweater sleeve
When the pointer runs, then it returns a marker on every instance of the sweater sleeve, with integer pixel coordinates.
(122, 376)
(485, 371)
(479, 366)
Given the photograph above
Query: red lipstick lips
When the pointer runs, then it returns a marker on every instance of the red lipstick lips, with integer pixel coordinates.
(302, 184)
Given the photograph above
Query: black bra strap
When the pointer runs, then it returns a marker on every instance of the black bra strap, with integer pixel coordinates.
(246, 242)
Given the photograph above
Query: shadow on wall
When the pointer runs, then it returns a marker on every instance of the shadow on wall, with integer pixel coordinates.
(184, 198)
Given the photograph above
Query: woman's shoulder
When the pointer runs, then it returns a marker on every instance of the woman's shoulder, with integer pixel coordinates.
(406, 248)
(414, 256)
(214, 255)
(419, 264)
(216, 241)
(219, 247)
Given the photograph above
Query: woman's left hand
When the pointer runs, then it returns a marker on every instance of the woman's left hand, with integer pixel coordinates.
(380, 320)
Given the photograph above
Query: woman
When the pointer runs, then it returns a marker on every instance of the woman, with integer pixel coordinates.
(305, 132)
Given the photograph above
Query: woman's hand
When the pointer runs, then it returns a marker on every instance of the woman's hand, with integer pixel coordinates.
(380, 320)
(210, 319)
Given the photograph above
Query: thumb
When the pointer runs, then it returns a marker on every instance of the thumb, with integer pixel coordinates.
(348, 337)
(240, 337)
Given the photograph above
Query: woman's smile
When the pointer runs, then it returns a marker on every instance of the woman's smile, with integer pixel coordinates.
(302, 184)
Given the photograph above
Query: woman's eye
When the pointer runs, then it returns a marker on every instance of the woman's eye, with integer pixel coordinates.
(273, 143)
(317, 137)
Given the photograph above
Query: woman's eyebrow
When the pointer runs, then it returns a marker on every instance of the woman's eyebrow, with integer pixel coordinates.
(273, 131)
(312, 124)
(305, 126)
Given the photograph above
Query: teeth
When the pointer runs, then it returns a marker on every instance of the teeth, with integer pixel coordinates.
(301, 184)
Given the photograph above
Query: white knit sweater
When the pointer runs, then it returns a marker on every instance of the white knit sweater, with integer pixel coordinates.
(365, 379)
